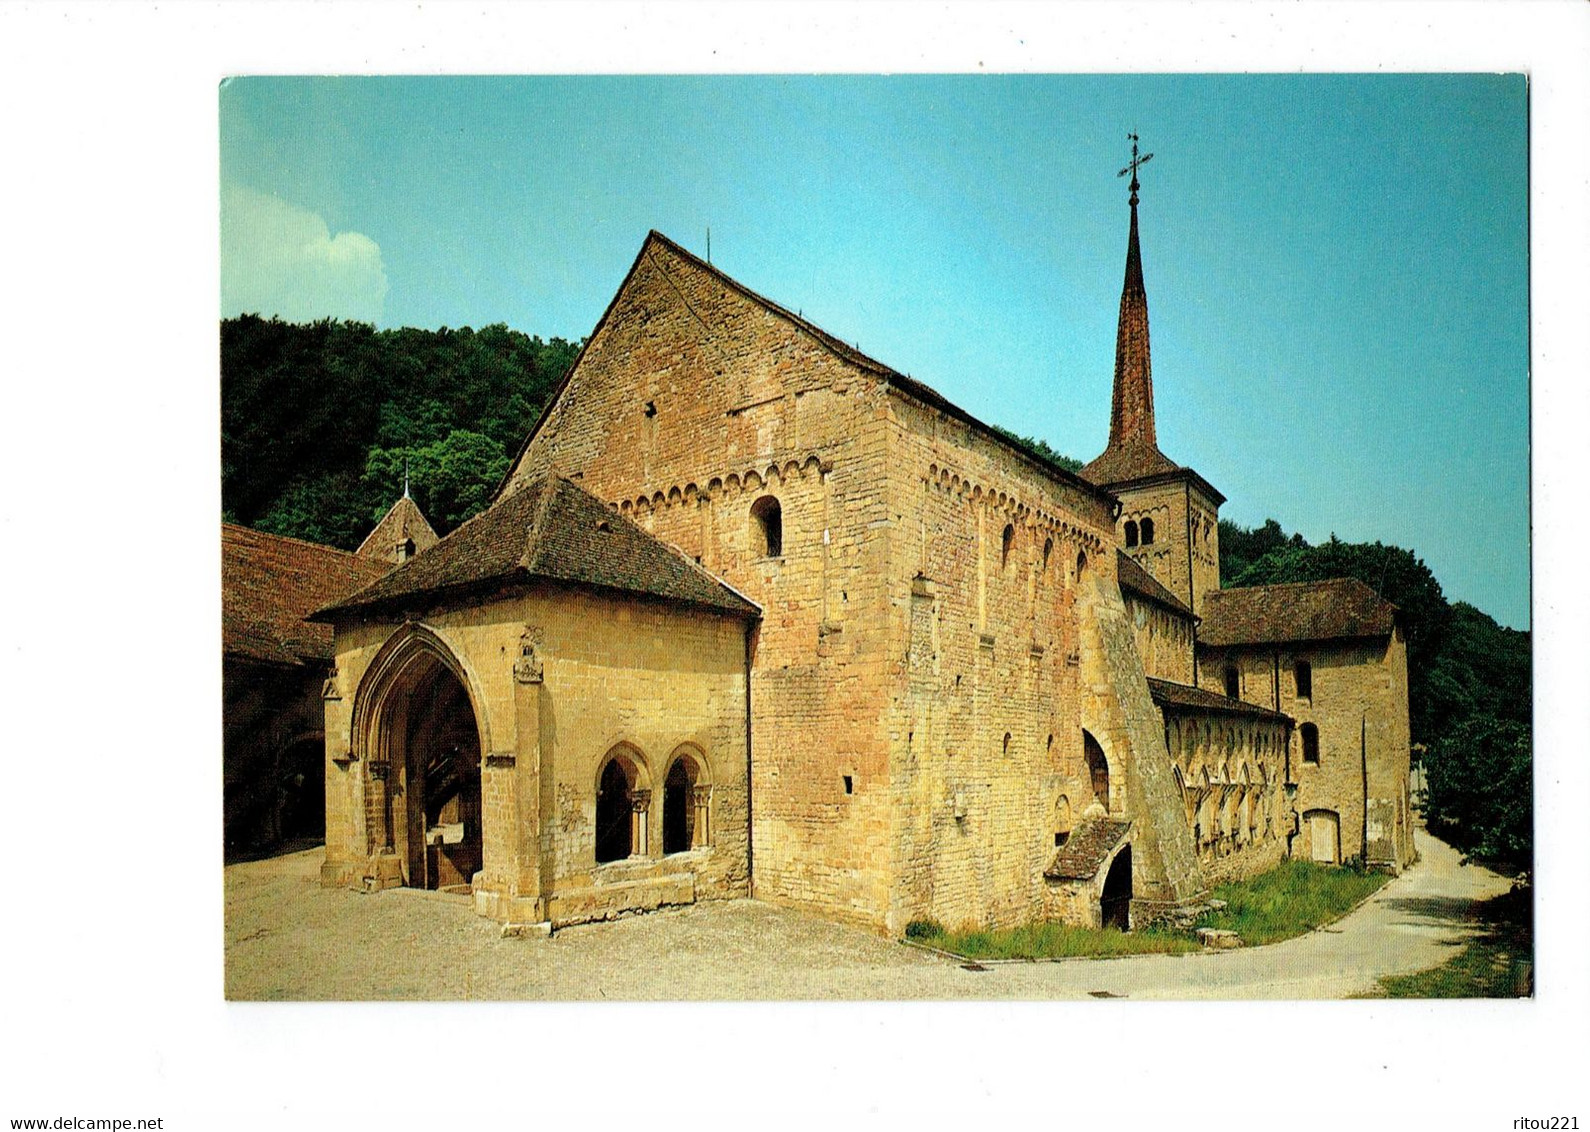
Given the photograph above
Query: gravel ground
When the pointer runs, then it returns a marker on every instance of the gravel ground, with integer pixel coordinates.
(288, 938)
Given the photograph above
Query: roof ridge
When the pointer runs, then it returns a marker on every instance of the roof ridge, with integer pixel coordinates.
(244, 528)
(531, 552)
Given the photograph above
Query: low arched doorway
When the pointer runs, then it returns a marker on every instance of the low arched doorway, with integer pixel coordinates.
(428, 746)
(1115, 902)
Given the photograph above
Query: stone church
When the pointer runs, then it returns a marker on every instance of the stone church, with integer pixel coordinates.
(753, 613)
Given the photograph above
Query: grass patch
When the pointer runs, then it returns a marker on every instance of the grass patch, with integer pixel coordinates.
(1500, 963)
(1058, 941)
(1293, 898)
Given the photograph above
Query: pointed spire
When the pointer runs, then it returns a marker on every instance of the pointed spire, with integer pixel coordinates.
(1132, 406)
(405, 476)
(1133, 449)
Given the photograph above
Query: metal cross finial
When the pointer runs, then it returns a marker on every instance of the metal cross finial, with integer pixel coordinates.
(1132, 168)
(405, 477)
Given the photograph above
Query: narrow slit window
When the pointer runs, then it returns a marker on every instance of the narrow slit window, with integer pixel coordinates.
(1233, 683)
(1303, 674)
(1310, 735)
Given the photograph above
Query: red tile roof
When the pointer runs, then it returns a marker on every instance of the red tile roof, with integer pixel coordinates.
(269, 583)
(1168, 693)
(551, 529)
(1336, 609)
(1086, 850)
(1133, 577)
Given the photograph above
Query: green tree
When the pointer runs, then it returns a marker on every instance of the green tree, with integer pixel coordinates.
(1479, 790)
(451, 479)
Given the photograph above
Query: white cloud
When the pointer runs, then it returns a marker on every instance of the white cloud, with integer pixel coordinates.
(277, 258)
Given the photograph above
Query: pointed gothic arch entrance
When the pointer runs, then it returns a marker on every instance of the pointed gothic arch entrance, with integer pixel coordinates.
(417, 724)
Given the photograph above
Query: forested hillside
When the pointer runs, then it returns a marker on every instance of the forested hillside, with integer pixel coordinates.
(1469, 690)
(318, 420)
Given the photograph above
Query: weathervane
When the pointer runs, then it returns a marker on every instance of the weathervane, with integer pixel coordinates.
(1132, 168)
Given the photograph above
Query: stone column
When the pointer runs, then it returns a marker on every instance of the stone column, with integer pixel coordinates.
(700, 799)
(639, 839)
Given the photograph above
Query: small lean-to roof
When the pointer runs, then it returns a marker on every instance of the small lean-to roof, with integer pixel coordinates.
(550, 529)
(1335, 609)
(1133, 577)
(1086, 850)
(270, 583)
(1167, 693)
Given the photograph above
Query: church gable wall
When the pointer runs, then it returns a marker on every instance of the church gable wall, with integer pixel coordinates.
(691, 408)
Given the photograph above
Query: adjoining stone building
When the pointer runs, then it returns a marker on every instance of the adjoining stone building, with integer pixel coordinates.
(926, 673)
(1331, 655)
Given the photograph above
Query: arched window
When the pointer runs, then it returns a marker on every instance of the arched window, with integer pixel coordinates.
(1005, 746)
(620, 809)
(1098, 769)
(768, 519)
(1048, 546)
(1147, 529)
(1006, 540)
(1082, 566)
(1233, 682)
(685, 809)
(1310, 743)
(1131, 533)
(1303, 676)
(1062, 821)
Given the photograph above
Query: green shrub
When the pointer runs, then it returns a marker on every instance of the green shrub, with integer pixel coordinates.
(923, 929)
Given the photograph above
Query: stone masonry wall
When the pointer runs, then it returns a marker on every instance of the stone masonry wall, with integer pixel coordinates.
(1164, 639)
(1119, 711)
(1232, 772)
(984, 718)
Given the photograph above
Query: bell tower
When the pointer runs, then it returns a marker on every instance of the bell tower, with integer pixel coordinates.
(1169, 520)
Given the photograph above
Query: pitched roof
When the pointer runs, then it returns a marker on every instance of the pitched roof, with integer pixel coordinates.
(1336, 609)
(1088, 847)
(404, 521)
(895, 380)
(269, 583)
(1133, 577)
(1168, 693)
(552, 529)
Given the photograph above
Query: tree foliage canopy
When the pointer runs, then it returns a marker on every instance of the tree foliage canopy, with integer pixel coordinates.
(318, 420)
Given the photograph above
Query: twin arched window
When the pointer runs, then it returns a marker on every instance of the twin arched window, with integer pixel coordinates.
(623, 805)
(1140, 533)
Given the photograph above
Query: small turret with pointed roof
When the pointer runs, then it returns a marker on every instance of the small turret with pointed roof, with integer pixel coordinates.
(401, 534)
(1133, 450)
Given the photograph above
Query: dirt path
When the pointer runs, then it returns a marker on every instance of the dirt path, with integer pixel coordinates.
(287, 938)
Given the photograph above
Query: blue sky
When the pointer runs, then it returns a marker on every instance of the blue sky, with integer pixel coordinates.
(1337, 266)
